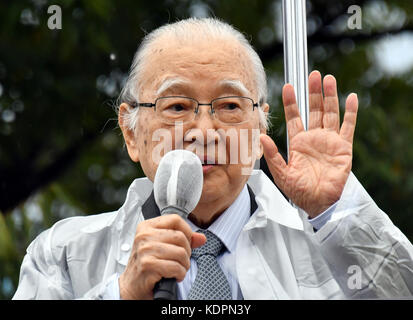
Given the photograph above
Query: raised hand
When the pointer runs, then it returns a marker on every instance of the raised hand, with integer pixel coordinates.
(320, 158)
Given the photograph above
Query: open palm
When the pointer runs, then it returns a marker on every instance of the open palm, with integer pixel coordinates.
(320, 158)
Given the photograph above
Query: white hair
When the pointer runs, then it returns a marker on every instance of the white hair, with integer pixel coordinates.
(190, 30)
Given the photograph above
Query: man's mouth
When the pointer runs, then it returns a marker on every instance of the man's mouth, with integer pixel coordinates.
(207, 167)
(208, 161)
(207, 164)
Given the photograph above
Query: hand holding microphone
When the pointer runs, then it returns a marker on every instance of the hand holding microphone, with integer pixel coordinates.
(162, 245)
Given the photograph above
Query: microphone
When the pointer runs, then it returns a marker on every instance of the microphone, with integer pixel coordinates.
(177, 189)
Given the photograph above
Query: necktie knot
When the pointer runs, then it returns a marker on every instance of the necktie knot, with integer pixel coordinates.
(213, 246)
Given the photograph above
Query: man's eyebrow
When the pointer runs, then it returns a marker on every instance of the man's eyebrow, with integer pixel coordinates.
(176, 82)
(171, 83)
(235, 85)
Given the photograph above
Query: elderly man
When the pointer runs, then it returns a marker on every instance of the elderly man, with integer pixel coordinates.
(203, 75)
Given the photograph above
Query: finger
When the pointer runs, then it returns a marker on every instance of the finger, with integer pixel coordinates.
(350, 117)
(172, 269)
(275, 161)
(173, 237)
(331, 116)
(315, 100)
(159, 268)
(198, 239)
(292, 115)
(173, 222)
(166, 251)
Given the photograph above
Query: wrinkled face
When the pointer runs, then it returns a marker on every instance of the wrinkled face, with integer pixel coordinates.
(203, 71)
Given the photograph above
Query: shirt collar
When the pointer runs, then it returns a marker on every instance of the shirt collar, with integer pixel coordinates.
(230, 223)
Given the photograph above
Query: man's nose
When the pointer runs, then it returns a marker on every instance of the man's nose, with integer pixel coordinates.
(204, 126)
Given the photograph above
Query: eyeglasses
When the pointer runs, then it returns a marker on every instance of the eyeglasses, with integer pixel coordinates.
(228, 110)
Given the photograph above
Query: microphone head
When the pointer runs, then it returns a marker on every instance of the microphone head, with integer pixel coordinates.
(178, 182)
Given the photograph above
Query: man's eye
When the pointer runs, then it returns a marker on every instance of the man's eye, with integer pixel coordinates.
(230, 106)
(176, 107)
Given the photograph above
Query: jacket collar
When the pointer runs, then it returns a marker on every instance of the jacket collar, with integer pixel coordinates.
(271, 204)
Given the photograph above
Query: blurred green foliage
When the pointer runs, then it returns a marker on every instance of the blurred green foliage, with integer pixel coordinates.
(61, 153)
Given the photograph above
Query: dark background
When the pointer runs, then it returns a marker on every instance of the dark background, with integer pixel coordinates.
(62, 154)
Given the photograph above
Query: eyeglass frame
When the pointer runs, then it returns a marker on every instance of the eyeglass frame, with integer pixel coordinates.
(212, 111)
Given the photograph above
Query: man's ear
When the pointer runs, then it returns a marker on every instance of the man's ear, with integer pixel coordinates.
(266, 109)
(128, 134)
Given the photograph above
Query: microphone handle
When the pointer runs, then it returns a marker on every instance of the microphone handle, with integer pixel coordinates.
(165, 289)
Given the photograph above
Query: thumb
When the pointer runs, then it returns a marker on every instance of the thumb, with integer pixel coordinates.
(275, 161)
(270, 149)
(198, 240)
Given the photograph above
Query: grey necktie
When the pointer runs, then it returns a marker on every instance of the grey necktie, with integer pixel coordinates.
(210, 281)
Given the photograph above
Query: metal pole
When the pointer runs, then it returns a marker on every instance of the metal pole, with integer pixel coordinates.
(295, 54)
(295, 58)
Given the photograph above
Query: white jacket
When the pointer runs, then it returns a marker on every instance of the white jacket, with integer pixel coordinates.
(359, 253)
